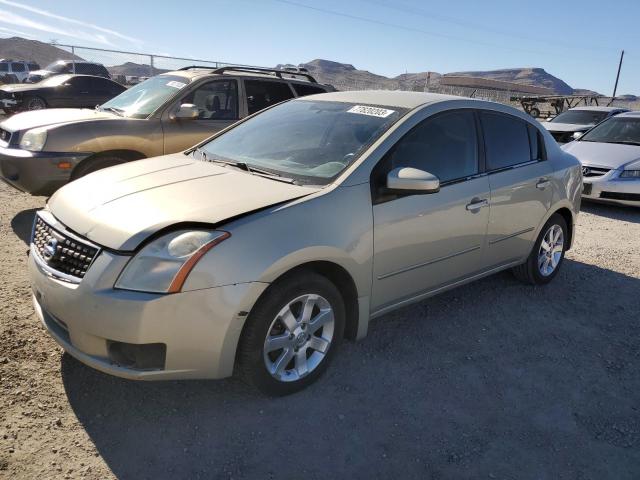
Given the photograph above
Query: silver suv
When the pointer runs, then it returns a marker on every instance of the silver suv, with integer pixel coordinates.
(16, 71)
(261, 248)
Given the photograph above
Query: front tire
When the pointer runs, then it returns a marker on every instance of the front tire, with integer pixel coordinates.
(33, 103)
(291, 334)
(547, 254)
(93, 165)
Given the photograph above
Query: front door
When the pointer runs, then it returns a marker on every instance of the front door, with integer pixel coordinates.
(424, 241)
(217, 102)
(520, 186)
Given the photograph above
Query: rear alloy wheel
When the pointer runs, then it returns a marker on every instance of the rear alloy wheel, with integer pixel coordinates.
(291, 334)
(34, 103)
(548, 252)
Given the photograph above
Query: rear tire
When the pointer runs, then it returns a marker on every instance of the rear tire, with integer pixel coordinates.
(95, 164)
(291, 334)
(534, 112)
(545, 260)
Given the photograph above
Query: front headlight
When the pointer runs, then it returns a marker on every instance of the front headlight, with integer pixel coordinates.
(163, 265)
(630, 174)
(34, 139)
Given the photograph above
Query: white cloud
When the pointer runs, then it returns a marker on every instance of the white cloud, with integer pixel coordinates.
(18, 20)
(15, 32)
(99, 38)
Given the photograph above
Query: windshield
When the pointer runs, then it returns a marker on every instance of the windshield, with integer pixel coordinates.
(309, 141)
(580, 117)
(59, 67)
(143, 99)
(615, 130)
(54, 81)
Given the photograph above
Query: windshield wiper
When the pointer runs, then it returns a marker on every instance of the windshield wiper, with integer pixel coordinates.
(627, 143)
(117, 111)
(243, 166)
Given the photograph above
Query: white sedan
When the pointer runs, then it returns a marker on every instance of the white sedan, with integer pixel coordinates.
(610, 158)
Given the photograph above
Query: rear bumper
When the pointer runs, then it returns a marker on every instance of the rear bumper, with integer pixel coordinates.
(611, 189)
(38, 173)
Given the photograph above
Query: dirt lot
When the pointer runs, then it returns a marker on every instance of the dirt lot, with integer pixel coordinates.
(493, 380)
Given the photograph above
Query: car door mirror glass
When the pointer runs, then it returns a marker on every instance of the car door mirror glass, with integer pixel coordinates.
(409, 179)
(187, 111)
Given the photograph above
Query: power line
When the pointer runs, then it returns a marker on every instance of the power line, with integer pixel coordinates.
(418, 30)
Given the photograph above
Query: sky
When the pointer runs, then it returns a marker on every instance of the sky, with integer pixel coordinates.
(577, 41)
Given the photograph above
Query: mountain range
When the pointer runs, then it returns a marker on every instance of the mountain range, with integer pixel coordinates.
(341, 75)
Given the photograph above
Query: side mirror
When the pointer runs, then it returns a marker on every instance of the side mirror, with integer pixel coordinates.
(577, 135)
(187, 111)
(412, 180)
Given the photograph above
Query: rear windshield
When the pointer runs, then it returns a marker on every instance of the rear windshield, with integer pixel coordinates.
(580, 117)
(309, 141)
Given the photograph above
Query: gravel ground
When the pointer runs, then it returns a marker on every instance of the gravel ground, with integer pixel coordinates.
(492, 380)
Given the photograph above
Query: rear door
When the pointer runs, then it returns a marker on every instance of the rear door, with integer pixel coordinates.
(425, 241)
(217, 103)
(520, 187)
(77, 93)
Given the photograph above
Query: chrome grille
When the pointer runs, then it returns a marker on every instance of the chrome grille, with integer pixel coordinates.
(61, 252)
(588, 171)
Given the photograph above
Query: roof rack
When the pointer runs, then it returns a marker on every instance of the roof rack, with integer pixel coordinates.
(274, 71)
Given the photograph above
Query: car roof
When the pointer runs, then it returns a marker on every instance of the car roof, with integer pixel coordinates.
(598, 109)
(391, 98)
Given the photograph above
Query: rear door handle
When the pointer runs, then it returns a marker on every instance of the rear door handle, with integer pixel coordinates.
(543, 183)
(477, 204)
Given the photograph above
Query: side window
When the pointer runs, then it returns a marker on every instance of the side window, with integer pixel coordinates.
(303, 90)
(445, 145)
(80, 84)
(18, 67)
(4, 67)
(536, 143)
(262, 94)
(83, 68)
(33, 67)
(216, 100)
(506, 140)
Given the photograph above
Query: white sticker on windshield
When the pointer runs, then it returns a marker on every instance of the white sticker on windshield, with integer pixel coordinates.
(371, 111)
(175, 84)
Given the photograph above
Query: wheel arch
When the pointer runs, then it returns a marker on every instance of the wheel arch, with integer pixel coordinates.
(125, 154)
(563, 209)
(343, 281)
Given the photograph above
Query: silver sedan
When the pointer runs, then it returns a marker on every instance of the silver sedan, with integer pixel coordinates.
(610, 158)
(260, 249)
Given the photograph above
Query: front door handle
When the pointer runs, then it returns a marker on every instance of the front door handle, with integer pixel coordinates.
(477, 204)
(543, 183)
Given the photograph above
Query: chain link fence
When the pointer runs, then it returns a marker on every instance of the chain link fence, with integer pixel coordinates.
(130, 68)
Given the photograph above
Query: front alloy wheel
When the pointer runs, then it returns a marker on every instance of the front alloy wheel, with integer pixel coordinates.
(299, 337)
(291, 333)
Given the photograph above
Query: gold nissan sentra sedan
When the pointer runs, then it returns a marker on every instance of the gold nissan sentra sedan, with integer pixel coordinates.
(260, 249)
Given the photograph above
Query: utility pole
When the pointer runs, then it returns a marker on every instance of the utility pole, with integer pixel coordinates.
(615, 88)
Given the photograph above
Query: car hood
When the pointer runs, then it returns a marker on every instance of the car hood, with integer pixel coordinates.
(609, 155)
(119, 207)
(53, 116)
(19, 87)
(565, 127)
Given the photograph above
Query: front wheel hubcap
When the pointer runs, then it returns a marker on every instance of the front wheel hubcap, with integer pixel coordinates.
(551, 249)
(299, 338)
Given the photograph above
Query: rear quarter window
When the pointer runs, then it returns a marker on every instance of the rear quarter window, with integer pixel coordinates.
(506, 140)
(304, 90)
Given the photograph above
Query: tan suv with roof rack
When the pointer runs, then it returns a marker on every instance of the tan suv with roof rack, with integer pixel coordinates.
(41, 151)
